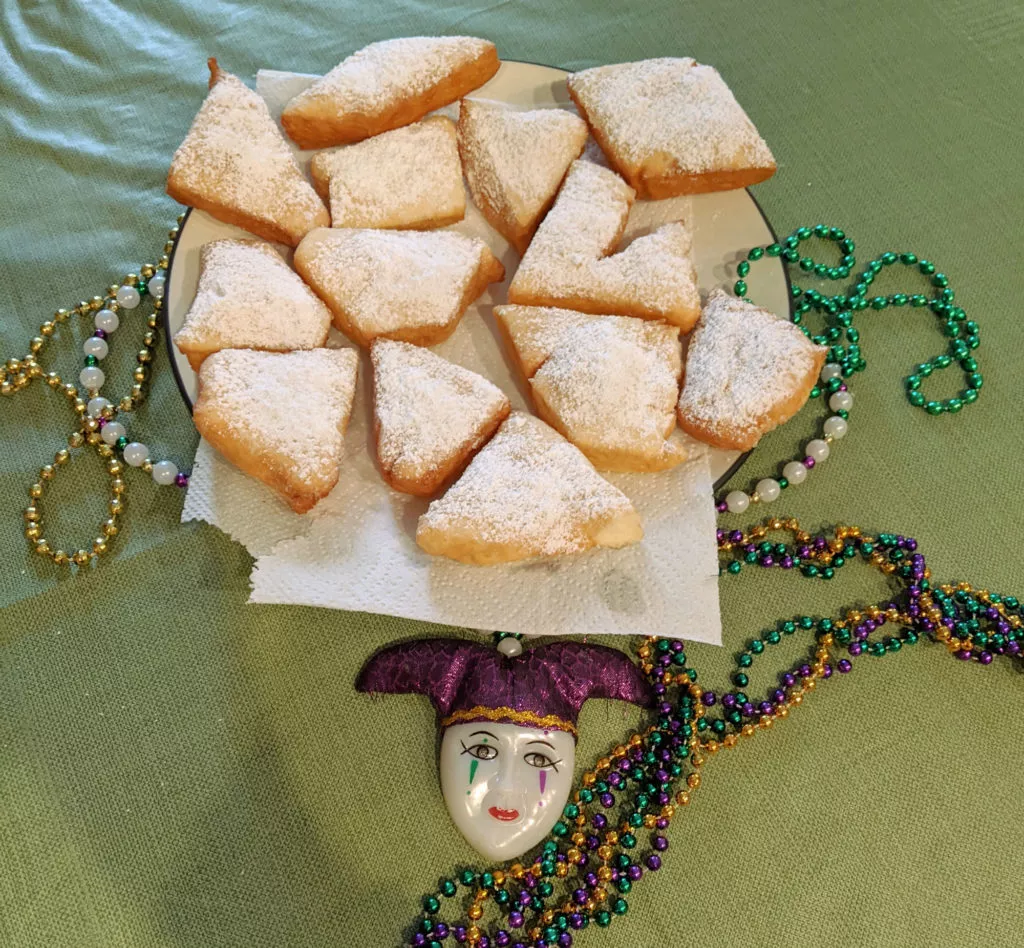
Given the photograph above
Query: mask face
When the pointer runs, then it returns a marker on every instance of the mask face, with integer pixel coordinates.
(505, 785)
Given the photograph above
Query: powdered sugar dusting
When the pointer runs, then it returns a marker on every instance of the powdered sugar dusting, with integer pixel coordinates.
(566, 260)
(670, 107)
(380, 75)
(402, 178)
(529, 487)
(430, 411)
(234, 155)
(516, 160)
(390, 280)
(742, 359)
(614, 383)
(248, 297)
(292, 407)
(535, 331)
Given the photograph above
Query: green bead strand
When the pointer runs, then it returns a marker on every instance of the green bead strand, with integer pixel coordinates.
(838, 311)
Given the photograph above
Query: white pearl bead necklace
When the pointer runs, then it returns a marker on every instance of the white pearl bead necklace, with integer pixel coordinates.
(93, 378)
(816, 451)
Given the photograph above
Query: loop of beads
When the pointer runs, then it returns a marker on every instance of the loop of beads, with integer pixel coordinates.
(96, 418)
(843, 339)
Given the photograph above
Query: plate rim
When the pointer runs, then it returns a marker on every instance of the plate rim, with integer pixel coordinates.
(733, 468)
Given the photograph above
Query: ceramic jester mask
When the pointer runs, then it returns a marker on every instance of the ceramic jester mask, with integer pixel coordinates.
(509, 726)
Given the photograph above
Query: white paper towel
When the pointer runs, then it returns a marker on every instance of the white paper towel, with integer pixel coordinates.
(356, 550)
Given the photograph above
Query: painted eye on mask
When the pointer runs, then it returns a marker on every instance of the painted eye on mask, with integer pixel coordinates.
(480, 751)
(540, 761)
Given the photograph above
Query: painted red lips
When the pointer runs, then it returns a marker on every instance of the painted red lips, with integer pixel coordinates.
(506, 816)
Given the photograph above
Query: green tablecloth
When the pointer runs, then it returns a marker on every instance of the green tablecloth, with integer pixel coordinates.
(180, 769)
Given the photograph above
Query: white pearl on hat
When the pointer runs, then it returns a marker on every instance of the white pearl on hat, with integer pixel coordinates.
(510, 647)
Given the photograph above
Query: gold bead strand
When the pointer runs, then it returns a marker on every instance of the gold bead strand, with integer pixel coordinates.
(17, 373)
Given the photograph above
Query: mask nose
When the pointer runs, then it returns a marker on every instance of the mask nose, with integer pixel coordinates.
(507, 799)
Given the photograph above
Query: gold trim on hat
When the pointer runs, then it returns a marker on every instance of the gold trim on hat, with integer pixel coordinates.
(547, 722)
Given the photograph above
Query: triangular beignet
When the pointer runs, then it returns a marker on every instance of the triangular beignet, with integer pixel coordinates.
(532, 332)
(611, 388)
(280, 416)
(249, 298)
(747, 371)
(607, 383)
(515, 161)
(235, 164)
(430, 415)
(408, 285)
(527, 493)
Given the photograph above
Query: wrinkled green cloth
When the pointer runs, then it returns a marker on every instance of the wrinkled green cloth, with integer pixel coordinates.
(180, 769)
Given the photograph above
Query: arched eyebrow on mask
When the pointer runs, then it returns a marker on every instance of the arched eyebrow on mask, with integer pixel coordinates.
(545, 743)
(488, 733)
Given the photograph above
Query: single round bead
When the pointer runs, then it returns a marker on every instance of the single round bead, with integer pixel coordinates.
(95, 406)
(164, 472)
(91, 378)
(835, 427)
(107, 320)
(818, 450)
(94, 346)
(113, 431)
(768, 489)
(135, 453)
(128, 297)
(831, 371)
(510, 647)
(736, 501)
(156, 286)
(795, 472)
(841, 401)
